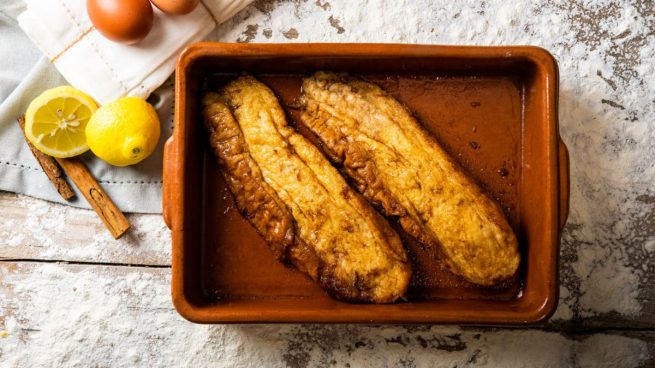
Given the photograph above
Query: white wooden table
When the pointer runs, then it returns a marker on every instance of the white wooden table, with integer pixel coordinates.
(70, 295)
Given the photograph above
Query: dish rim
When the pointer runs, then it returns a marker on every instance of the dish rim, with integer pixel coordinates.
(174, 182)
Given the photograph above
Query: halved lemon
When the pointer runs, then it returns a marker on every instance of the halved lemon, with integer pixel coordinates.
(55, 122)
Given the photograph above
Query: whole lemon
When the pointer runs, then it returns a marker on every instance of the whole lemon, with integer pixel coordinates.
(123, 132)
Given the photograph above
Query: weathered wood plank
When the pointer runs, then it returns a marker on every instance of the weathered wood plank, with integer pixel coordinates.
(92, 315)
(36, 229)
(70, 315)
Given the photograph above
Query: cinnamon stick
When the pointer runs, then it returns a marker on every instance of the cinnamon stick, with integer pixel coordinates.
(49, 166)
(113, 218)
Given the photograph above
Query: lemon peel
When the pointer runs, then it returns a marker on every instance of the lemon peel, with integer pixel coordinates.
(123, 132)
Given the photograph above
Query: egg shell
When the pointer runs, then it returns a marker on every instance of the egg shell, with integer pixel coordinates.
(125, 21)
(176, 7)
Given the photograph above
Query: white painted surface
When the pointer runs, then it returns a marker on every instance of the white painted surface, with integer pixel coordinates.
(88, 315)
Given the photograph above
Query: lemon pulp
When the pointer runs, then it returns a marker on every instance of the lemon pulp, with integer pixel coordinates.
(55, 121)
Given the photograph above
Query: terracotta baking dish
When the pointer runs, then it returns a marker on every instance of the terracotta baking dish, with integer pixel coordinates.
(493, 108)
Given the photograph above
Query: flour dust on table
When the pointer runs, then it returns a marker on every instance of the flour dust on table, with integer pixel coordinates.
(123, 315)
(605, 50)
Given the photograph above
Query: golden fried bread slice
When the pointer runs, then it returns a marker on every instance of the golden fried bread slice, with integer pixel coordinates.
(298, 202)
(400, 168)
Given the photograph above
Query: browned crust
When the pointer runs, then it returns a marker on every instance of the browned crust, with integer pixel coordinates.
(274, 220)
(328, 122)
(255, 199)
(356, 162)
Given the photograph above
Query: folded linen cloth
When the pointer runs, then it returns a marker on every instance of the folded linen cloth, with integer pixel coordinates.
(25, 72)
(107, 70)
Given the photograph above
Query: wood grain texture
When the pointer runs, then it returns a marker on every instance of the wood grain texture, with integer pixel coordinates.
(36, 229)
(50, 167)
(103, 312)
(605, 52)
(74, 235)
(110, 215)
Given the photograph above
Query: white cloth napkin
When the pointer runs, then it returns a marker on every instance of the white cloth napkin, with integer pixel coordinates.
(100, 67)
(107, 70)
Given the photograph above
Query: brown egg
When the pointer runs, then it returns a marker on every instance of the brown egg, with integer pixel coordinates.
(126, 21)
(176, 7)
